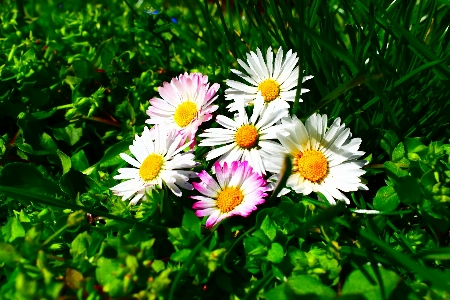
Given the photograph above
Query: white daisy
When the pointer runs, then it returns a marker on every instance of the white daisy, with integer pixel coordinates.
(274, 81)
(244, 139)
(237, 192)
(157, 160)
(323, 160)
(185, 103)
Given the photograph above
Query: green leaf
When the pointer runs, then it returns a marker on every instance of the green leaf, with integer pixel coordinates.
(26, 177)
(408, 190)
(106, 274)
(386, 199)
(112, 152)
(68, 134)
(394, 172)
(389, 141)
(181, 255)
(398, 153)
(9, 254)
(106, 57)
(275, 253)
(269, 228)
(158, 265)
(13, 230)
(65, 161)
(191, 222)
(73, 183)
(375, 284)
(301, 287)
(414, 145)
(79, 161)
(83, 68)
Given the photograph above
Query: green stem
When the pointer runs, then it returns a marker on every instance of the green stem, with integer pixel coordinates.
(64, 106)
(55, 235)
(381, 166)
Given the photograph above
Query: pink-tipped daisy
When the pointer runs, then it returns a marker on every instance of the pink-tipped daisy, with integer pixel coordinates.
(236, 193)
(273, 80)
(185, 103)
(157, 160)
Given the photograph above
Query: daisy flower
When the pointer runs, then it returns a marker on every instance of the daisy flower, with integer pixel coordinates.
(323, 160)
(185, 103)
(157, 160)
(274, 81)
(237, 190)
(244, 139)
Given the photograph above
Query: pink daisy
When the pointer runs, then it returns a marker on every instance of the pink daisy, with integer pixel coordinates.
(238, 191)
(185, 103)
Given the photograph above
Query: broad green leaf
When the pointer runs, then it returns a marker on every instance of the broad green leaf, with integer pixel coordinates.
(28, 178)
(389, 141)
(398, 153)
(191, 222)
(79, 161)
(107, 275)
(181, 255)
(9, 254)
(374, 285)
(83, 68)
(275, 253)
(113, 152)
(72, 183)
(69, 134)
(408, 190)
(386, 199)
(12, 230)
(299, 287)
(65, 161)
(158, 265)
(269, 228)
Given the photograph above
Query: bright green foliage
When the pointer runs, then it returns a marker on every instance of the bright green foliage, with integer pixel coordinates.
(75, 80)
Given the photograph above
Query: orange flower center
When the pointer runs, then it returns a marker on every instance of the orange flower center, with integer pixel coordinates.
(151, 167)
(246, 136)
(312, 165)
(185, 113)
(270, 89)
(229, 198)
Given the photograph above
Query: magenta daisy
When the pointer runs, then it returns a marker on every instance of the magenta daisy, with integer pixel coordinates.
(185, 103)
(237, 192)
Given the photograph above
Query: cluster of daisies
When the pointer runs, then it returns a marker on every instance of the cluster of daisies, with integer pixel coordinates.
(249, 149)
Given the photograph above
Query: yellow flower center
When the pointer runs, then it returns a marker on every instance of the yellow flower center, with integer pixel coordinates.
(270, 89)
(229, 198)
(312, 165)
(151, 167)
(185, 113)
(246, 136)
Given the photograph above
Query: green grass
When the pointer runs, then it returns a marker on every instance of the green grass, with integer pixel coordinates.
(75, 80)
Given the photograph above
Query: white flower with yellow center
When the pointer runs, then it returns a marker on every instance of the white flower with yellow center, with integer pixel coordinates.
(274, 81)
(323, 160)
(157, 160)
(185, 103)
(236, 193)
(244, 139)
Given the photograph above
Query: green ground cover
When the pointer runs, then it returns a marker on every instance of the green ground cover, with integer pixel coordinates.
(75, 82)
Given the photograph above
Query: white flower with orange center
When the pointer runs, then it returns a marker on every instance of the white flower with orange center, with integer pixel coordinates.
(236, 192)
(323, 160)
(274, 81)
(157, 160)
(185, 103)
(246, 139)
